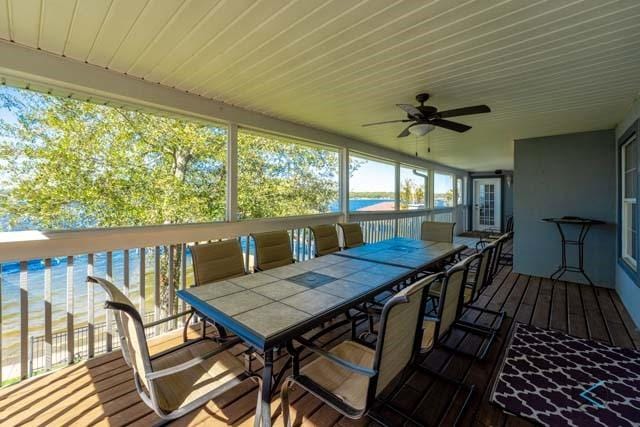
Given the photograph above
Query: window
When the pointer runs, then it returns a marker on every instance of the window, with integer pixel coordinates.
(81, 165)
(442, 190)
(459, 191)
(629, 189)
(371, 185)
(413, 184)
(278, 176)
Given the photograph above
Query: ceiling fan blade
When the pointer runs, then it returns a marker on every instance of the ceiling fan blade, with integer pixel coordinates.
(476, 109)
(388, 121)
(458, 127)
(410, 110)
(405, 132)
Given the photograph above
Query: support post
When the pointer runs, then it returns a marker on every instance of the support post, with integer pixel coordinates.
(232, 173)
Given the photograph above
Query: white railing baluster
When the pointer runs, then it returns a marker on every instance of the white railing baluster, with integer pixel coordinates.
(50, 350)
(48, 330)
(157, 313)
(91, 310)
(172, 289)
(125, 260)
(143, 282)
(109, 314)
(183, 274)
(70, 321)
(24, 319)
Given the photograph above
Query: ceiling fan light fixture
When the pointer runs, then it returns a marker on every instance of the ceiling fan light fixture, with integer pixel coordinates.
(421, 129)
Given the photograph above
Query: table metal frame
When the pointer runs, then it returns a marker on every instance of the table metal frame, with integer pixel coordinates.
(265, 347)
(585, 226)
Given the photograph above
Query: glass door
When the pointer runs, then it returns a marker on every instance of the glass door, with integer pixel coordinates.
(487, 204)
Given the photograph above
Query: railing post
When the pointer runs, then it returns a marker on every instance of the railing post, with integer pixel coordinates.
(0, 323)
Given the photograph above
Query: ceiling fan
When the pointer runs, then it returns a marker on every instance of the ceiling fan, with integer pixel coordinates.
(425, 118)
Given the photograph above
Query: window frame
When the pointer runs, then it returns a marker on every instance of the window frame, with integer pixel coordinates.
(426, 188)
(286, 139)
(627, 262)
(393, 164)
(453, 189)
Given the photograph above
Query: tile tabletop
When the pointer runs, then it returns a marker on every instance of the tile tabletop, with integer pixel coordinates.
(260, 307)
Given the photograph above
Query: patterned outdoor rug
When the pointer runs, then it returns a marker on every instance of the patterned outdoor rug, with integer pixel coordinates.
(555, 379)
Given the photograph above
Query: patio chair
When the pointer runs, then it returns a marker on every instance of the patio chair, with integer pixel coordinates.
(474, 286)
(351, 376)
(495, 234)
(182, 379)
(437, 231)
(497, 254)
(325, 238)
(351, 235)
(273, 249)
(213, 262)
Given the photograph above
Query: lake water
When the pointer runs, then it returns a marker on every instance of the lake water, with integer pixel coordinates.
(10, 275)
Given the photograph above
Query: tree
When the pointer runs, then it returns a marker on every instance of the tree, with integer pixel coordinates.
(71, 164)
(420, 195)
(406, 193)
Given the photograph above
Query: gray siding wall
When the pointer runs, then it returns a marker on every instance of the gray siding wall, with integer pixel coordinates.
(554, 176)
(626, 286)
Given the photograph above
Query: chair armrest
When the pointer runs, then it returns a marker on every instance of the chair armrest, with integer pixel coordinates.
(166, 319)
(367, 372)
(193, 362)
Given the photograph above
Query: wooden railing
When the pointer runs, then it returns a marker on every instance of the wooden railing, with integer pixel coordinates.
(52, 317)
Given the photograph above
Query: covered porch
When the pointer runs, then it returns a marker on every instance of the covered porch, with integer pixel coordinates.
(133, 132)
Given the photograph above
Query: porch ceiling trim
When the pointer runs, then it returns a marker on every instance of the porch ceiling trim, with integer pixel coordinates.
(49, 73)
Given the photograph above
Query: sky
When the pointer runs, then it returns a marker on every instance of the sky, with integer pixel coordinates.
(376, 176)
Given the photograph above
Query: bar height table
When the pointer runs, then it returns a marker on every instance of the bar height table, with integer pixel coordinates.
(585, 225)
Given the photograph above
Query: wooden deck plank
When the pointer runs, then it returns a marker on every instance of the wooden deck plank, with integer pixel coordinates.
(101, 391)
(558, 318)
(617, 330)
(577, 320)
(593, 314)
(632, 330)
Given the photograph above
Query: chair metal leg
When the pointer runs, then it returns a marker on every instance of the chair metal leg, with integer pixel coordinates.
(258, 417)
(489, 334)
(284, 401)
(500, 315)
(186, 327)
(460, 385)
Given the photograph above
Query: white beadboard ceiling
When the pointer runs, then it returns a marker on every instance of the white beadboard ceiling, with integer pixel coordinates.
(544, 67)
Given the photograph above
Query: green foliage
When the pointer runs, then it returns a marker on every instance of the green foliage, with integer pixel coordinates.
(280, 178)
(411, 193)
(371, 194)
(70, 164)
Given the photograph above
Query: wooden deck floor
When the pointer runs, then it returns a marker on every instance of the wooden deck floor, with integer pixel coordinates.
(101, 391)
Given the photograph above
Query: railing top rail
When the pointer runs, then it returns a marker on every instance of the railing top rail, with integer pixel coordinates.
(26, 245)
(373, 215)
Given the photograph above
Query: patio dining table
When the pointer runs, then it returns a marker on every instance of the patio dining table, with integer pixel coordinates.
(268, 309)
